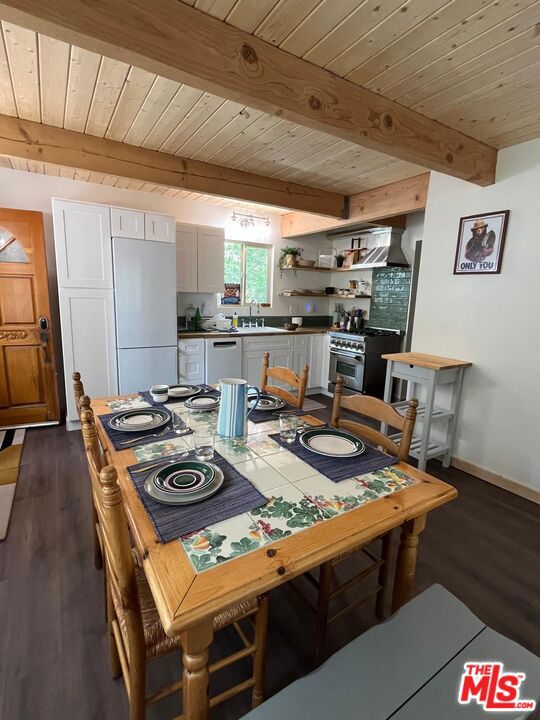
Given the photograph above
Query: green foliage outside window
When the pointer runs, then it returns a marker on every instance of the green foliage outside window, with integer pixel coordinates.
(248, 266)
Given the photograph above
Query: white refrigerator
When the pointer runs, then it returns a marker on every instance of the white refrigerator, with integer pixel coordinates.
(145, 308)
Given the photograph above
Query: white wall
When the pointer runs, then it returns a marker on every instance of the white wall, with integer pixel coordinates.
(491, 320)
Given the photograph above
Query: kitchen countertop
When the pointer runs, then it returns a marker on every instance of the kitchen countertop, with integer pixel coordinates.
(189, 335)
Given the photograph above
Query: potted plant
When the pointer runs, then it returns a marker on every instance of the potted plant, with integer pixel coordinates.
(340, 259)
(287, 257)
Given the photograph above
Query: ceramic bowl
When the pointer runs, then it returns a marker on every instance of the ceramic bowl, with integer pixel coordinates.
(290, 326)
(159, 393)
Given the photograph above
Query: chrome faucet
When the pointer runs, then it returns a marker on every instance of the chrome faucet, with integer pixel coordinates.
(251, 304)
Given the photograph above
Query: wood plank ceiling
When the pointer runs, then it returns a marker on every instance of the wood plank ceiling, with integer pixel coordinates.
(470, 64)
(473, 65)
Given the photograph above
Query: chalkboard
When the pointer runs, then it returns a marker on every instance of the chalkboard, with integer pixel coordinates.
(390, 289)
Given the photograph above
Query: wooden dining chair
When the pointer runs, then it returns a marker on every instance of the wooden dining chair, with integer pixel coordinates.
(327, 588)
(82, 402)
(136, 635)
(78, 390)
(287, 376)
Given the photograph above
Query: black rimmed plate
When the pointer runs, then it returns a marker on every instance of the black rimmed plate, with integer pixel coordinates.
(184, 482)
(204, 401)
(332, 442)
(266, 402)
(139, 420)
(183, 391)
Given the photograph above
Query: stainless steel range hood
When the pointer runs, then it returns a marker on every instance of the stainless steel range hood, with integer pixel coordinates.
(384, 247)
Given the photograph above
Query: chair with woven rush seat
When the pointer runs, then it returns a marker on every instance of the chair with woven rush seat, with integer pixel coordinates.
(327, 589)
(136, 634)
(82, 402)
(288, 377)
(78, 390)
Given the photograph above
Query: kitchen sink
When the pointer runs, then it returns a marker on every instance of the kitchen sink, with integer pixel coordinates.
(255, 330)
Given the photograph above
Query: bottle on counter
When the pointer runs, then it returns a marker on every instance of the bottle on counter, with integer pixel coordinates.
(197, 320)
(235, 320)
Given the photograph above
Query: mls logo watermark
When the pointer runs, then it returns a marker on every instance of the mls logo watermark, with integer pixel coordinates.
(487, 684)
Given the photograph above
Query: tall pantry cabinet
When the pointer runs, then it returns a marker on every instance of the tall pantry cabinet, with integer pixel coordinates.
(85, 287)
(83, 234)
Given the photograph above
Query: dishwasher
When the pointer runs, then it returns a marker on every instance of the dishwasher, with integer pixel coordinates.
(223, 358)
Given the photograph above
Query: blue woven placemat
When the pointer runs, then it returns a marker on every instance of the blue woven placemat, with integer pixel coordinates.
(236, 496)
(119, 438)
(146, 395)
(336, 468)
(258, 416)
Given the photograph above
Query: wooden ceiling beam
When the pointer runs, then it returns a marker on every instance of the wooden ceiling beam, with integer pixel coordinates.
(174, 40)
(377, 205)
(44, 143)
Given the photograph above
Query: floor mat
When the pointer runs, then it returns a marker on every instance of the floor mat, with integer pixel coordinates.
(11, 445)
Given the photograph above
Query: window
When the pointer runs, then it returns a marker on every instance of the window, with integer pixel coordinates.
(248, 272)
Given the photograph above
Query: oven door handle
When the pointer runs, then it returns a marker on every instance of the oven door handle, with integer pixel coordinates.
(346, 355)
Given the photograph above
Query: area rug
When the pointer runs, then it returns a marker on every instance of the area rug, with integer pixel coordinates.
(11, 445)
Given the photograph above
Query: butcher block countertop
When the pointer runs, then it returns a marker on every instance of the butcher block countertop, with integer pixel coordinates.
(432, 362)
(188, 335)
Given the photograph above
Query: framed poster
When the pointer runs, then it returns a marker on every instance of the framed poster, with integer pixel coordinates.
(480, 243)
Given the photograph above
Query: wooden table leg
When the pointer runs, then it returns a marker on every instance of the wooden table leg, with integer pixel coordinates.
(406, 561)
(195, 644)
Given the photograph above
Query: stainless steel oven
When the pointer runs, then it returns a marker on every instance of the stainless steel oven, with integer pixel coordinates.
(357, 358)
(350, 365)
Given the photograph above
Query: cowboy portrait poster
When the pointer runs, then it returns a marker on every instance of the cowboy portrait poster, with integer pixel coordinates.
(480, 243)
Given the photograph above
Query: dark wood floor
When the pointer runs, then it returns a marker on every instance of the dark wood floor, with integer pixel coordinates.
(53, 663)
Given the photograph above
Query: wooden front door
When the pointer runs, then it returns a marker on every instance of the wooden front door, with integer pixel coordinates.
(28, 390)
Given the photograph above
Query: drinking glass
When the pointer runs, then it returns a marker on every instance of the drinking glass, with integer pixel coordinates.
(288, 426)
(203, 442)
(179, 426)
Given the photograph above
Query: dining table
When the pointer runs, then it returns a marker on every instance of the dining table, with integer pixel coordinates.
(307, 520)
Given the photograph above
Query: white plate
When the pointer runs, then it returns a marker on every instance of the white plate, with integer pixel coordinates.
(332, 442)
(203, 402)
(332, 445)
(139, 420)
(183, 390)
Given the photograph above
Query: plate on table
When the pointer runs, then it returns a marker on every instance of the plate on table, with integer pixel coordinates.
(266, 402)
(204, 401)
(139, 420)
(184, 482)
(183, 391)
(332, 442)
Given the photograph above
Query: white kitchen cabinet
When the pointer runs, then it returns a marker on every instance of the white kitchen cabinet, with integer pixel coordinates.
(302, 355)
(88, 341)
(281, 349)
(210, 259)
(159, 227)
(127, 223)
(252, 367)
(199, 258)
(325, 366)
(186, 258)
(82, 234)
(191, 361)
(318, 371)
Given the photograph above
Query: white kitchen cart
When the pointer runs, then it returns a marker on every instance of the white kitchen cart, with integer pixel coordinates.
(433, 372)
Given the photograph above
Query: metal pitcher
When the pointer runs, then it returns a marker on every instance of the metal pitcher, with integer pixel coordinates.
(233, 408)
